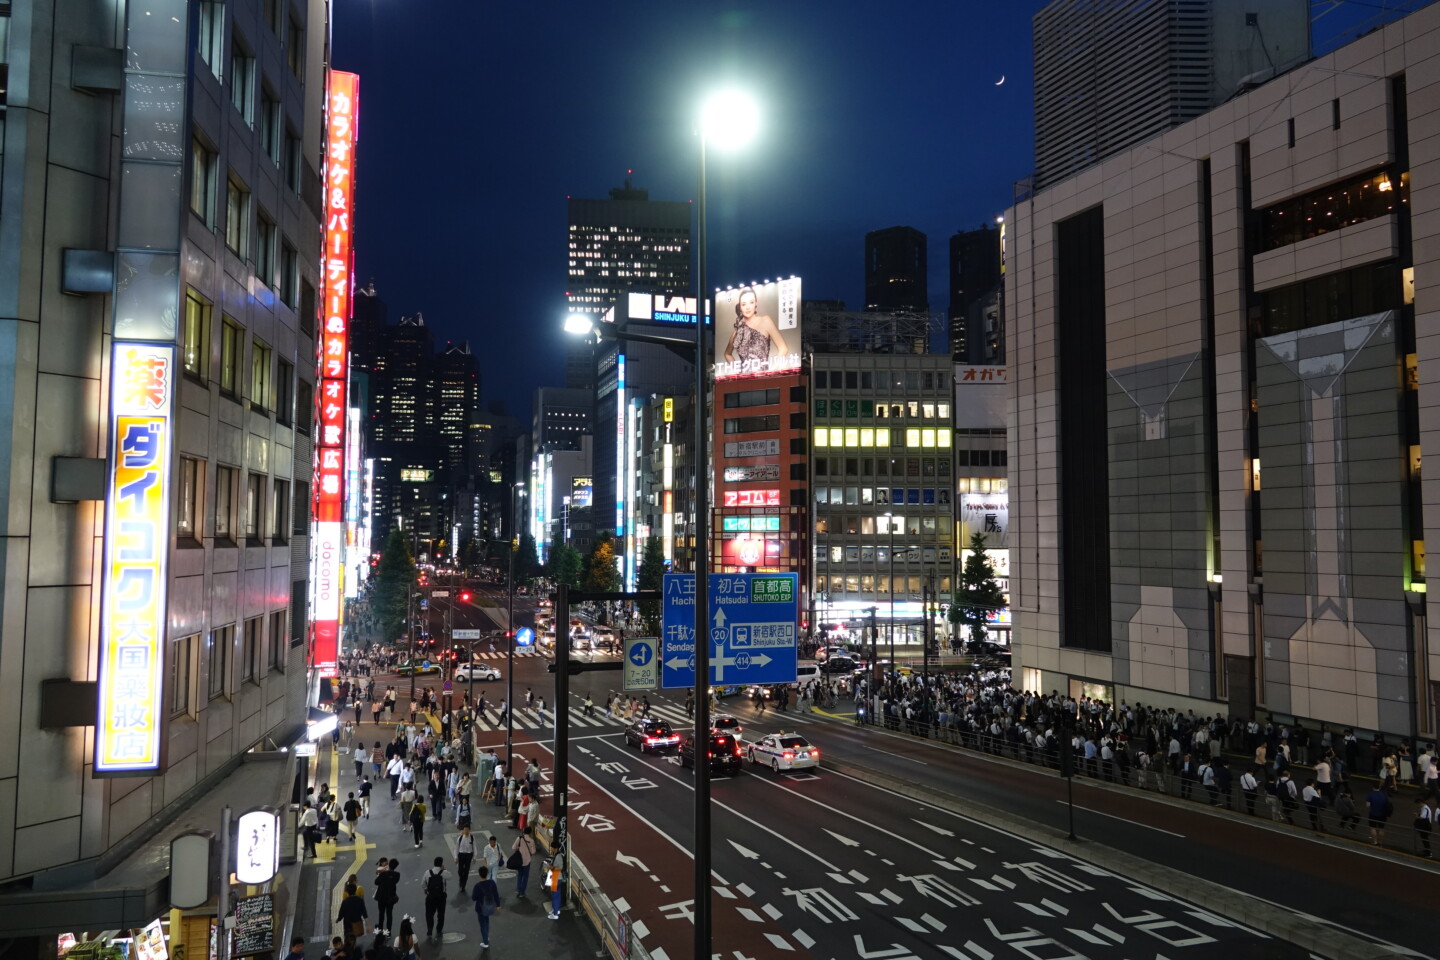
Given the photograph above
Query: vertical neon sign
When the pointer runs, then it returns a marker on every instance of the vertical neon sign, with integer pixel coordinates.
(137, 513)
(332, 367)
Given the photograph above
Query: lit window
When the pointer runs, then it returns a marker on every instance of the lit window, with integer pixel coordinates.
(822, 436)
(927, 437)
(867, 437)
(943, 438)
(882, 437)
(852, 436)
(912, 436)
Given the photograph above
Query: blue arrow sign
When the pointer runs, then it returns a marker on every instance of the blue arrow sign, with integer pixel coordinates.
(752, 632)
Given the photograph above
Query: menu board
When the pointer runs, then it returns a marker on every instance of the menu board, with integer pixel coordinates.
(254, 925)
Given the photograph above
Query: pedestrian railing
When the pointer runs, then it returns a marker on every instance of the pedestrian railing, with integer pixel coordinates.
(600, 910)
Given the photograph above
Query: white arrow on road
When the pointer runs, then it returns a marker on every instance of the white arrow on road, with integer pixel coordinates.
(719, 616)
(745, 852)
(845, 840)
(632, 861)
(930, 826)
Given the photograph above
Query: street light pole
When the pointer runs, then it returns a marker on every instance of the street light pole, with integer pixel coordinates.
(510, 628)
(702, 596)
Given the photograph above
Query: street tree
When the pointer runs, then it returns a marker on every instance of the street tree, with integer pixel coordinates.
(565, 566)
(651, 577)
(601, 574)
(978, 592)
(527, 560)
(394, 579)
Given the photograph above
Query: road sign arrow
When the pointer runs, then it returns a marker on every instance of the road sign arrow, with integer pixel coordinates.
(675, 663)
(632, 861)
(845, 840)
(720, 616)
(760, 658)
(745, 852)
(930, 826)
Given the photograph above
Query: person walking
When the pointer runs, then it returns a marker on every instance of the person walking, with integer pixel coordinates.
(360, 756)
(406, 944)
(1312, 797)
(464, 855)
(365, 788)
(377, 759)
(524, 846)
(417, 823)
(487, 903)
(492, 856)
(352, 814)
(433, 886)
(532, 777)
(332, 819)
(407, 803)
(387, 881)
(393, 767)
(309, 827)
(352, 915)
(1345, 810)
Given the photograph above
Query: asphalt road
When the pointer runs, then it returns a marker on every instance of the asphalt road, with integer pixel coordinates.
(782, 838)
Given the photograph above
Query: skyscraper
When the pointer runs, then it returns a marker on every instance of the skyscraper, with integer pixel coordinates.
(974, 273)
(628, 242)
(896, 271)
(1113, 73)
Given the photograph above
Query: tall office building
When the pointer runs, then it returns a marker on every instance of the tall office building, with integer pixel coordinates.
(370, 318)
(628, 242)
(457, 408)
(1222, 377)
(402, 412)
(974, 273)
(157, 309)
(896, 270)
(1113, 73)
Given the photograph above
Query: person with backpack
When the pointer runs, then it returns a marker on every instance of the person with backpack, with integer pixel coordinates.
(387, 881)
(433, 885)
(464, 854)
(487, 903)
(352, 814)
(1379, 808)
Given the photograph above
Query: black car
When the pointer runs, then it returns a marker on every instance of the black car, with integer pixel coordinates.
(842, 665)
(724, 753)
(648, 733)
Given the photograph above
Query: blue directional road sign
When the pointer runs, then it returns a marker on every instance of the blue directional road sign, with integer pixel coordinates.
(753, 619)
(640, 672)
(524, 637)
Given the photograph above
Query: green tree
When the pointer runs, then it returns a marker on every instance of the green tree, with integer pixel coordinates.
(527, 560)
(393, 580)
(651, 577)
(601, 574)
(978, 592)
(565, 565)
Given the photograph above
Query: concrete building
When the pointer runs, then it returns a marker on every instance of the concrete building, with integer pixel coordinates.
(1254, 288)
(897, 274)
(159, 227)
(976, 332)
(627, 242)
(1114, 73)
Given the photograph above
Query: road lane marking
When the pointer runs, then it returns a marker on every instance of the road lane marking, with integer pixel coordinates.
(890, 753)
(1123, 820)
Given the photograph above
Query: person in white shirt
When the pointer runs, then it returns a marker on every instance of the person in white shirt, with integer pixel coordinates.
(1250, 787)
(360, 755)
(1312, 797)
(309, 827)
(392, 770)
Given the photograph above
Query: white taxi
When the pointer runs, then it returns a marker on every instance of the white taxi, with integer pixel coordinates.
(784, 751)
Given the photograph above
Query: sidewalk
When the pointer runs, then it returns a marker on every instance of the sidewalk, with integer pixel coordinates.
(519, 928)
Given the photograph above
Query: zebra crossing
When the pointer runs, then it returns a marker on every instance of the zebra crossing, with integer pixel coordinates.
(530, 719)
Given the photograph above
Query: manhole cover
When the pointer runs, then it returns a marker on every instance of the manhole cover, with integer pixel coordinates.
(452, 937)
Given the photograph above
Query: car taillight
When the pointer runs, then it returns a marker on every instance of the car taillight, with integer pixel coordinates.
(788, 755)
(815, 753)
(709, 755)
(649, 739)
(737, 751)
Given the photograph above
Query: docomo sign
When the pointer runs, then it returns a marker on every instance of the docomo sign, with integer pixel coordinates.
(137, 515)
(768, 497)
(332, 368)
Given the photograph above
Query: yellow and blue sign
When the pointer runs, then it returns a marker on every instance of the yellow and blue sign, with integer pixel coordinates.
(137, 509)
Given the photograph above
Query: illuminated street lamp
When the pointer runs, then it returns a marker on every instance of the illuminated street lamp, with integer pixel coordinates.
(729, 119)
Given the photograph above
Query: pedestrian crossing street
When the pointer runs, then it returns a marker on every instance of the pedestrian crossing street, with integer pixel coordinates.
(526, 719)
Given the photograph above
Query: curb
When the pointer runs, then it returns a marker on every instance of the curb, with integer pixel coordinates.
(1309, 932)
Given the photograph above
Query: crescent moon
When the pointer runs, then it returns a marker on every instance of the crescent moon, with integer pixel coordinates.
(1001, 80)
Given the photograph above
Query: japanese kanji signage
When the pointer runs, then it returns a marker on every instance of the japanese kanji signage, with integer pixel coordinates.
(137, 509)
(752, 620)
(332, 369)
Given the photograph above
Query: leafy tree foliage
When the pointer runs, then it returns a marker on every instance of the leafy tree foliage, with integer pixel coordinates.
(978, 592)
(393, 580)
(651, 577)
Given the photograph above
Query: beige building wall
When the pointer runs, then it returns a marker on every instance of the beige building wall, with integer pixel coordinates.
(1155, 274)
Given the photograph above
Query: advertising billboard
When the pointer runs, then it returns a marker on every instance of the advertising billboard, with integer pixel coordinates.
(757, 330)
(332, 369)
(582, 491)
(137, 537)
(752, 551)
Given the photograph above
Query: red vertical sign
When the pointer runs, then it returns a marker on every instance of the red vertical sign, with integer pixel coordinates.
(332, 369)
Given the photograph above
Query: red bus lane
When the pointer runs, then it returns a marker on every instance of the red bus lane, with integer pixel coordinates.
(648, 873)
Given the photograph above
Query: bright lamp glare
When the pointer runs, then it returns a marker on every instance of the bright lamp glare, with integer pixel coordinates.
(729, 119)
(578, 323)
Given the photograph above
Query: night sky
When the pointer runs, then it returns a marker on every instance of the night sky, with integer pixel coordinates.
(478, 119)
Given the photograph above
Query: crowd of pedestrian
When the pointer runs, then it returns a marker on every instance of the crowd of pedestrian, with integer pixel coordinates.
(1282, 767)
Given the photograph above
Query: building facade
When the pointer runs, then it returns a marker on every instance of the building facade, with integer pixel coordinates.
(199, 263)
(896, 269)
(1222, 365)
(976, 331)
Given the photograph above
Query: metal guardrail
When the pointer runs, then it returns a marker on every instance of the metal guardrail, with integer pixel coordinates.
(602, 914)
